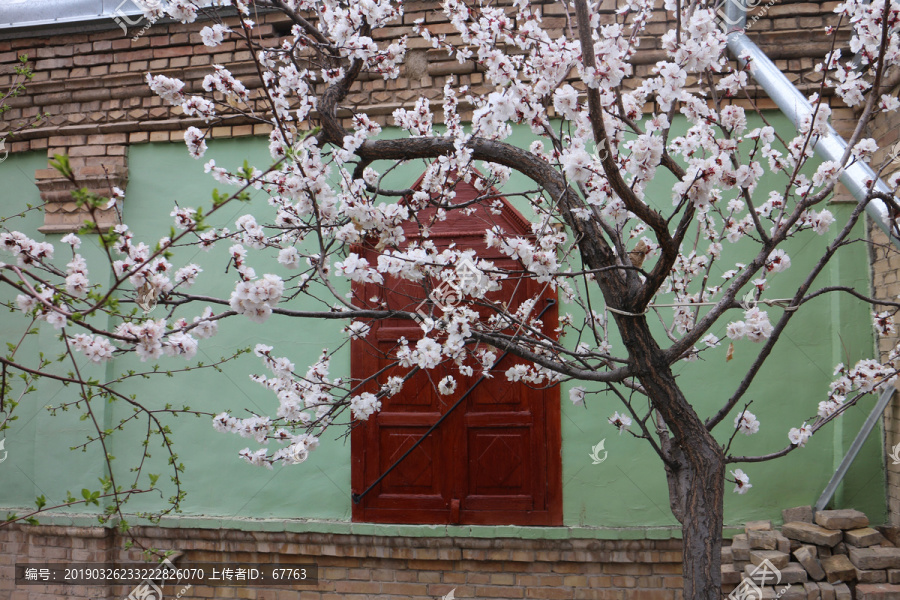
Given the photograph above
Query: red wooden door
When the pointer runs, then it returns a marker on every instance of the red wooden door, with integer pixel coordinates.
(496, 458)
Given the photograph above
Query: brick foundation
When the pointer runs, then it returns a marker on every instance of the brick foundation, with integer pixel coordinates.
(353, 566)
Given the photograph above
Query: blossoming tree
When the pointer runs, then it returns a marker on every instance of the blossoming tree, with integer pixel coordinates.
(611, 253)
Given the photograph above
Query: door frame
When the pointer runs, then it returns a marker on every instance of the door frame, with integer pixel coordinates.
(363, 473)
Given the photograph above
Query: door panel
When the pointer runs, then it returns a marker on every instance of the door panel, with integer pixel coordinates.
(419, 473)
(496, 458)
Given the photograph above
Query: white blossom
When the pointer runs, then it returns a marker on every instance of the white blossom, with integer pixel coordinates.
(213, 36)
(206, 328)
(255, 299)
(447, 385)
(187, 276)
(621, 422)
(799, 437)
(196, 142)
(95, 347)
(289, 257)
(71, 239)
(741, 481)
(884, 323)
(576, 395)
(746, 423)
(364, 405)
(26, 303)
(358, 330)
(180, 344)
(167, 88)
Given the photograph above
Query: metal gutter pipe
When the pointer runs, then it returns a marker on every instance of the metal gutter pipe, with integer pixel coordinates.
(858, 176)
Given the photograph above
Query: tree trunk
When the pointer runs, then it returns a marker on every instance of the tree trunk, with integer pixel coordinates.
(699, 492)
(695, 463)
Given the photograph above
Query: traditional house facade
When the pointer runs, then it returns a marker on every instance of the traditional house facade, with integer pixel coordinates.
(492, 504)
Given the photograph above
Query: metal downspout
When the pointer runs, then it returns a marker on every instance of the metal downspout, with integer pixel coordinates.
(857, 178)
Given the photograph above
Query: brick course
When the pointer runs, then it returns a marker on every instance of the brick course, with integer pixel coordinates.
(885, 266)
(354, 566)
(93, 85)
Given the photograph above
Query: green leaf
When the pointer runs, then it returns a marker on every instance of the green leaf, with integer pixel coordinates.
(60, 162)
(87, 228)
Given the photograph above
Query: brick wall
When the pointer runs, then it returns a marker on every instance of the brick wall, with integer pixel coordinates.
(886, 284)
(885, 261)
(358, 567)
(92, 84)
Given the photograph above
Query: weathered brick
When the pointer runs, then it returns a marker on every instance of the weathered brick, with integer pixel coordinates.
(542, 593)
(875, 558)
(404, 589)
(877, 591)
(873, 576)
(842, 592)
(827, 590)
(838, 568)
(813, 534)
(863, 537)
(496, 591)
(847, 518)
(764, 574)
(890, 532)
(796, 591)
(762, 539)
(812, 591)
(805, 555)
(87, 151)
(794, 573)
(785, 545)
(730, 575)
(740, 547)
(778, 559)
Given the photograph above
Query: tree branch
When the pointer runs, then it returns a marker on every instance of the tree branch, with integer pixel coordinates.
(668, 247)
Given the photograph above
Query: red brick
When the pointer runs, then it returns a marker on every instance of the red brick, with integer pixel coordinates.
(493, 591)
(550, 593)
(357, 587)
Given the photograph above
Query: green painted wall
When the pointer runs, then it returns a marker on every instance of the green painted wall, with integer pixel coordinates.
(218, 482)
(627, 490)
(39, 461)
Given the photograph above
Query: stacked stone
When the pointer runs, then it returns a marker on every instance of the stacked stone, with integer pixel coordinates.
(832, 555)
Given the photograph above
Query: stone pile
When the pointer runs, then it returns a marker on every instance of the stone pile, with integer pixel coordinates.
(832, 555)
